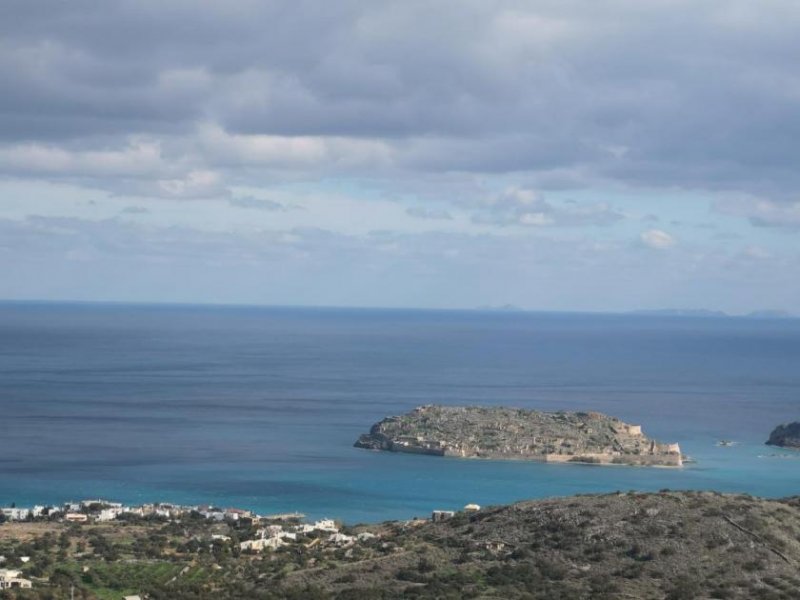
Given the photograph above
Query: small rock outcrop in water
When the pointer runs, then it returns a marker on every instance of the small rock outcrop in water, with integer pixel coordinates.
(519, 434)
(786, 436)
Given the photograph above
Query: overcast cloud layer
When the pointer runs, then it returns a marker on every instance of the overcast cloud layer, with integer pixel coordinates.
(590, 155)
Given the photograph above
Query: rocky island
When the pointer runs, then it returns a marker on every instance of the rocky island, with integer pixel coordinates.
(786, 436)
(519, 434)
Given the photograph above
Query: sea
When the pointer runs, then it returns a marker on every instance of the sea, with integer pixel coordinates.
(258, 408)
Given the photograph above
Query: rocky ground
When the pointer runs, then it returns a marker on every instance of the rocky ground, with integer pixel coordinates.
(668, 545)
(786, 436)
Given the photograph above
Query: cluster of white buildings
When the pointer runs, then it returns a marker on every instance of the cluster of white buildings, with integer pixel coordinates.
(443, 515)
(273, 537)
(102, 510)
(22, 514)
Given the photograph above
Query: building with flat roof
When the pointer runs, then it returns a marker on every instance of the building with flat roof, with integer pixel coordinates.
(10, 579)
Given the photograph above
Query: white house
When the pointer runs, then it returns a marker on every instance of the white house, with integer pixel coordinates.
(326, 525)
(16, 514)
(109, 514)
(76, 517)
(214, 515)
(10, 578)
(237, 513)
(340, 539)
(101, 502)
(272, 543)
(442, 515)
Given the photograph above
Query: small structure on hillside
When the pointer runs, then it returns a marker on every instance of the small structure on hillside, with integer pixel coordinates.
(258, 545)
(10, 579)
(76, 517)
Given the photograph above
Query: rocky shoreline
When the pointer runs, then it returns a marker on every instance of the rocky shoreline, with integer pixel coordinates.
(518, 434)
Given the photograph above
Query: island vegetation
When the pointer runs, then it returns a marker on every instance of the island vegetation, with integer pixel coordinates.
(519, 434)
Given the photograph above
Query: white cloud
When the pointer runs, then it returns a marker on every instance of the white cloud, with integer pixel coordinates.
(529, 208)
(290, 152)
(657, 239)
(137, 158)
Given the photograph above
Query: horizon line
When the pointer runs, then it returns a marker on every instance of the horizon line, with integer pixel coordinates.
(493, 309)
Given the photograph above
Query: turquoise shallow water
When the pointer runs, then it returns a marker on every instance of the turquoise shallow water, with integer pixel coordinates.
(259, 407)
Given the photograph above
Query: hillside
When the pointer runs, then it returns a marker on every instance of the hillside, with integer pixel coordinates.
(669, 545)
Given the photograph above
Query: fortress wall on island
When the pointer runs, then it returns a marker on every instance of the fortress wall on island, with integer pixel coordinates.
(664, 460)
(395, 447)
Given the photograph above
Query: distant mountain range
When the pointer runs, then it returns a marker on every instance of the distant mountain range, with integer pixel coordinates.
(502, 307)
(671, 312)
(702, 312)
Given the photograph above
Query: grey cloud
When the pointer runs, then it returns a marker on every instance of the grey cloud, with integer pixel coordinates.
(135, 210)
(257, 204)
(651, 94)
(763, 212)
(422, 212)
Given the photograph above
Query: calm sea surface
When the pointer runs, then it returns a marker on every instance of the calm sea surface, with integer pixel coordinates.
(259, 407)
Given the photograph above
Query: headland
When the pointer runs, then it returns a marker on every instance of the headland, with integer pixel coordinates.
(786, 436)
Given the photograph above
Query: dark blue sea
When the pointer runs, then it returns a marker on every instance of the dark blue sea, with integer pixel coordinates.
(259, 407)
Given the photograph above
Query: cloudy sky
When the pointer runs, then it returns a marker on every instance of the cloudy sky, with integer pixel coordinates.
(604, 155)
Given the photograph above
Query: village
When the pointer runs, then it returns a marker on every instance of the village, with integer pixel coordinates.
(99, 510)
(242, 531)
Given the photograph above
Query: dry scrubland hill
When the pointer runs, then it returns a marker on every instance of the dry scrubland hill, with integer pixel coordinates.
(513, 433)
(669, 545)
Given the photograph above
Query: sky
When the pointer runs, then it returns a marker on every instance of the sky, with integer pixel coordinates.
(555, 155)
